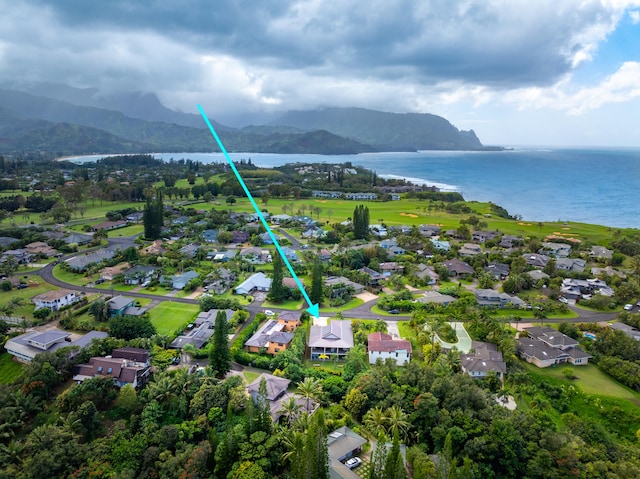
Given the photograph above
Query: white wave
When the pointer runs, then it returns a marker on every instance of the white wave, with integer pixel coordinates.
(422, 181)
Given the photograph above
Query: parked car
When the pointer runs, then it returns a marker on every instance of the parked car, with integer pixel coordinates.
(394, 311)
(99, 281)
(353, 462)
(628, 307)
(268, 312)
(564, 300)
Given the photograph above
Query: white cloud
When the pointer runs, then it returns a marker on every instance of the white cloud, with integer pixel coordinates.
(635, 16)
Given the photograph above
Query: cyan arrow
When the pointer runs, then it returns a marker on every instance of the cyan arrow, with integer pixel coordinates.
(313, 308)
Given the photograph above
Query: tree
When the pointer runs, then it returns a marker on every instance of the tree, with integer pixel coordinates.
(100, 310)
(230, 200)
(220, 357)
(310, 389)
(361, 222)
(379, 457)
(316, 282)
(394, 463)
(152, 218)
(278, 291)
(131, 327)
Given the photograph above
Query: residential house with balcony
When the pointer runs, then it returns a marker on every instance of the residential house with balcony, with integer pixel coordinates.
(56, 299)
(484, 358)
(333, 340)
(547, 347)
(383, 346)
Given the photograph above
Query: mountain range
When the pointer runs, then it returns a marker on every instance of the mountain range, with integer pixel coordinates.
(63, 120)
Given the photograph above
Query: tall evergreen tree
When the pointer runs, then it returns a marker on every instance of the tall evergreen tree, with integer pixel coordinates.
(152, 217)
(278, 291)
(379, 458)
(220, 357)
(316, 451)
(361, 222)
(316, 282)
(394, 462)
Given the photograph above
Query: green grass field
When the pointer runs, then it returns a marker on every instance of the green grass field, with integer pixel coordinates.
(9, 369)
(169, 317)
(292, 305)
(590, 379)
(77, 279)
(353, 303)
(37, 286)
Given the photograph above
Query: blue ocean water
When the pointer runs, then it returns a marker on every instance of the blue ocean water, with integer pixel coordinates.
(599, 186)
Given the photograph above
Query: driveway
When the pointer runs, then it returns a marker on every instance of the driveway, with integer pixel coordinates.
(464, 340)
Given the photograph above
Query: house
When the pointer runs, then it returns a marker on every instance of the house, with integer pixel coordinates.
(78, 239)
(383, 346)
(426, 274)
(219, 281)
(270, 338)
(119, 304)
(56, 299)
(200, 330)
(224, 256)
(325, 255)
(600, 253)
(378, 230)
(342, 444)
(108, 273)
(135, 217)
(571, 265)
(484, 236)
(40, 248)
(21, 256)
(155, 248)
(179, 281)
(537, 275)
(536, 260)
(337, 282)
(279, 219)
(290, 254)
(290, 320)
(27, 346)
(391, 268)
(361, 196)
(333, 340)
(429, 230)
(493, 299)
(630, 331)
(483, 359)
(6, 241)
(240, 236)
(110, 225)
(557, 250)
(326, 194)
(441, 245)
(256, 282)
(470, 249)
(498, 271)
(190, 250)
(82, 262)
(608, 271)
(124, 365)
(459, 269)
(291, 283)
(388, 243)
(139, 274)
(255, 255)
(374, 277)
(433, 297)
(277, 395)
(210, 236)
(180, 220)
(509, 241)
(267, 239)
(546, 347)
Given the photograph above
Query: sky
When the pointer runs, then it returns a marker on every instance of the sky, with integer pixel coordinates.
(543, 72)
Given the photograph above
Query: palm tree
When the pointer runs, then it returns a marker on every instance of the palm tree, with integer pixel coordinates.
(310, 389)
(375, 421)
(397, 422)
(290, 410)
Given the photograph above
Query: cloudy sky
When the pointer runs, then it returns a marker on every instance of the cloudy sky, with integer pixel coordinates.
(517, 72)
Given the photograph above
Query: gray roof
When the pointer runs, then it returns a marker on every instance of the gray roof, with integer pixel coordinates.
(119, 302)
(270, 331)
(275, 385)
(337, 334)
(258, 280)
(551, 336)
(343, 441)
(483, 359)
(82, 261)
(7, 241)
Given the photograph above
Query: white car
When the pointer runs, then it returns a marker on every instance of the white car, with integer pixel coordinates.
(564, 300)
(628, 307)
(353, 462)
(268, 312)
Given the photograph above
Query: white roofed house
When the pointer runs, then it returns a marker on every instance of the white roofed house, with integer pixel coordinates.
(28, 345)
(335, 339)
(56, 299)
(557, 250)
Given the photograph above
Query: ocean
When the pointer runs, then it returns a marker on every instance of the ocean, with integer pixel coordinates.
(598, 186)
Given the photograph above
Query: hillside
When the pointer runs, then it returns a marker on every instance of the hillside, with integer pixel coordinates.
(406, 131)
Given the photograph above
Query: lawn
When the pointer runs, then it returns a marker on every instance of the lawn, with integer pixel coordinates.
(590, 379)
(26, 294)
(9, 369)
(169, 317)
(77, 279)
(353, 303)
(250, 376)
(126, 231)
(292, 304)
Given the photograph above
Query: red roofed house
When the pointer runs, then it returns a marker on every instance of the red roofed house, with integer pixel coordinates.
(383, 346)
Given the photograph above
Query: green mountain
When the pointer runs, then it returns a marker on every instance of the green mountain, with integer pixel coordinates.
(395, 131)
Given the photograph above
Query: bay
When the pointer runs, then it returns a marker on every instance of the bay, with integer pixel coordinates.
(598, 186)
